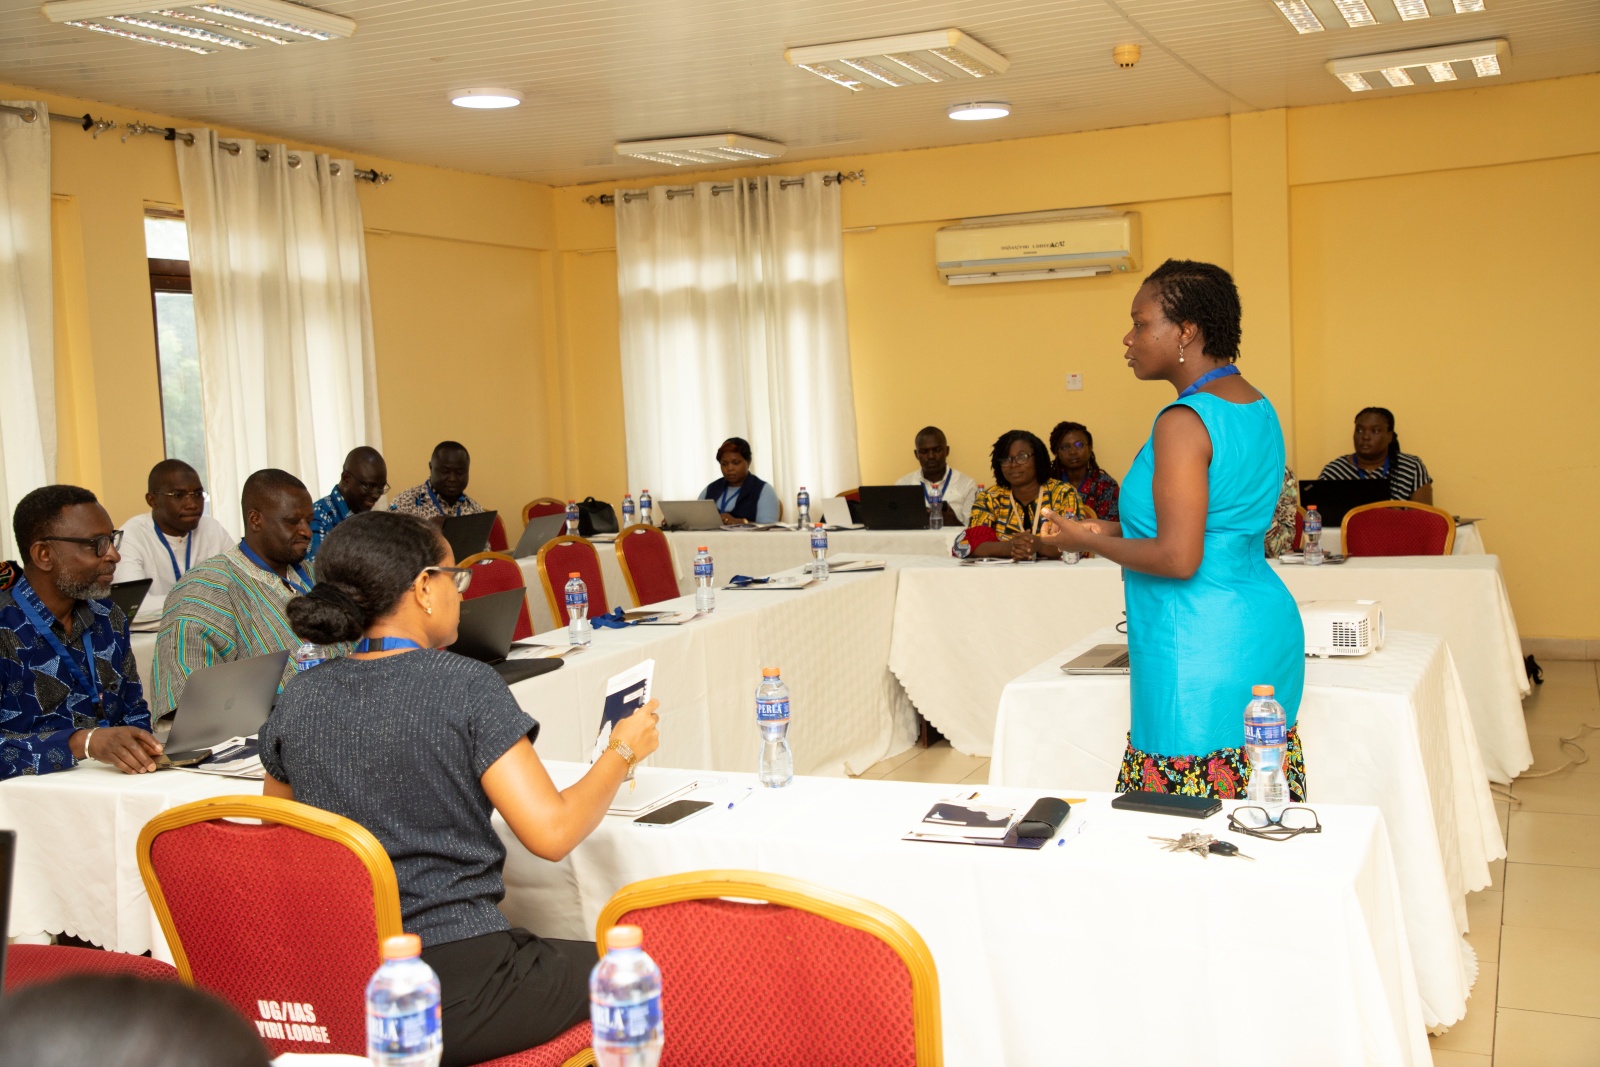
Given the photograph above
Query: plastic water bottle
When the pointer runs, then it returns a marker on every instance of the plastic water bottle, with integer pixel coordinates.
(307, 656)
(1266, 746)
(625, 1003)
(936, 514)
(1311, 541)
(627, 509)
(403, 1027)
(646, 509)
(772, 715)
(802, 504)
(819, 552)
(580, 631)
(572, 518)
(705, 595)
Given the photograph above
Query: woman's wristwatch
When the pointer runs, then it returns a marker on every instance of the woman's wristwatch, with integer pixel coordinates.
(621, 748)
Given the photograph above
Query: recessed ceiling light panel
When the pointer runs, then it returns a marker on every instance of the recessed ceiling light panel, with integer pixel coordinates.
(897, 62)
(485, 99)
(1355, 12)
(978, 112)
(235, 24)
(1300, 16)
(710, 149)
(1394, 67)
(1411, 10)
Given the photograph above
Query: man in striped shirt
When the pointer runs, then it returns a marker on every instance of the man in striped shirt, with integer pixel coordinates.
(1378, 455)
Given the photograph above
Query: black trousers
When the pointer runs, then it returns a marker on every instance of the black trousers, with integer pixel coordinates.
(510, 991)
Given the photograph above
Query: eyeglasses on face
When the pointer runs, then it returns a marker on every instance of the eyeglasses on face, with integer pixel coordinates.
(462, 576)
(1076, 446)
(101, 543)
(1017, 460)
(179, 496)
(1258, 822)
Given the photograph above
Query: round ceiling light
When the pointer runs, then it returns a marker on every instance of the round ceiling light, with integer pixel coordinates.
(485, 98)
(980, 111)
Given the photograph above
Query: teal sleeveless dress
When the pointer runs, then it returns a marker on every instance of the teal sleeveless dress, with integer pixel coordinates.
(1197, 645)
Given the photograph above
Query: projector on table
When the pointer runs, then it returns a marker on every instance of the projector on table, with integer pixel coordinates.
(1342, 627)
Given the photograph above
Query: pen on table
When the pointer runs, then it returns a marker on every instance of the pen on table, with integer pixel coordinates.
(743, 798)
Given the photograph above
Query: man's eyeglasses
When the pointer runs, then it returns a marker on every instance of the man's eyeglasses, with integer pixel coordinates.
(1291, 822)
(1017, 460)
(179, 496)
(462, 576)
(101, 543)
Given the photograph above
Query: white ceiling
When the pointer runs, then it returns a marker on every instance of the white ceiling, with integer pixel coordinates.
(599, 71)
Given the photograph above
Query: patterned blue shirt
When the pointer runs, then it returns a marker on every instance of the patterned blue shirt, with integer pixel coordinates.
(41, 704)
(326, 513)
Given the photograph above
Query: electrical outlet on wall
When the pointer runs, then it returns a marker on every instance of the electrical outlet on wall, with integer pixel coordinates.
(1074, 381)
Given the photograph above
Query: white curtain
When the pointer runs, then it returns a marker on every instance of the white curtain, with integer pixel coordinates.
(27, 315)
(282, 315)
(733, 325)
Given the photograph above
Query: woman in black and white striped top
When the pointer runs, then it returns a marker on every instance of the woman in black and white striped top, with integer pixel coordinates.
(1378, 455)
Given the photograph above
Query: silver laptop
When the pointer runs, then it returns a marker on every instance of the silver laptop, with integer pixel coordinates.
(538, 533)
(690, 515)
(835, 511)
(226, 700)
(1101, 659)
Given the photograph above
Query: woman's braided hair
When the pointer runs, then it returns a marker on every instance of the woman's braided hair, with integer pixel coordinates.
(1204, 294)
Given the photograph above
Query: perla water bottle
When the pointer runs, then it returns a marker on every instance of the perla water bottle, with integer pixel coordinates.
(625, 1003)
(580, 631)
(646, 509)
(776, 769)
(802, 504)
(1266, 747)
(819, 553)
(307, 656)
(936, 514)
(627, 509)
(1311, 542)
(705, 595)
(572, 518)
(403, 1027)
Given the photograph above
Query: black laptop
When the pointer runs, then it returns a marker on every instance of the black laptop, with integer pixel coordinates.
(485, 631)
(1336, 497)
(469, 534)
(129, 596)
(892, 507)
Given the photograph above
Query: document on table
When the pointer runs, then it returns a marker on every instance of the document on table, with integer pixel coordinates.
(237, 757)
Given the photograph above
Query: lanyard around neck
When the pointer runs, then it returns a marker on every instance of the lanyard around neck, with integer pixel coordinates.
(259, 562)
(439, 503)
(188, 551)
(936, 500)
(386, 644)
(1209, 376)
(1019, 510)
(1381, 472)
(729, 496)
(89, 682)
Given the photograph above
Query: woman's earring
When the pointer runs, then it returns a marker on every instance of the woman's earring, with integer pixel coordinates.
(1180, 351)
(428, 608)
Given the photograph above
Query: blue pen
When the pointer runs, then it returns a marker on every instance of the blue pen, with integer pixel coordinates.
(741, 800)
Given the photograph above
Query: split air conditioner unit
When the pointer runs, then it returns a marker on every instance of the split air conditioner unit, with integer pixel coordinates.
(1041, 245)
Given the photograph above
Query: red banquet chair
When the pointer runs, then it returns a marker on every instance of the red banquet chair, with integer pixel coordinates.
(541, 506)
(495, 572)
(1299, 541)
(283, 919)
(1397, 528)
(497, 536)
(646, 560)
(559, 558)
(35, 964)
(843, 981)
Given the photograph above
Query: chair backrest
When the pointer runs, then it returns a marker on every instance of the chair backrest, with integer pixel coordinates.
(497, 535)
(646, 560)
(495, 572)
(282, 920)
(852, 494)
(843, 981)
(36, 964)
(544, 505)
(1397, 528)
(558, 558)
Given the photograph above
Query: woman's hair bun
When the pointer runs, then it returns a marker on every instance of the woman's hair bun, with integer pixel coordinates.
(327, 615)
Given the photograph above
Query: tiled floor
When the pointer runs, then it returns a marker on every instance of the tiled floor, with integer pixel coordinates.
(1536, 929)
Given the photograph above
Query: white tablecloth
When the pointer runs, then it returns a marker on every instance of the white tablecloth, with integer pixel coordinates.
(1103, 950)
(1469, 541)
(1390, 730)
(757, 553)
(961, 633)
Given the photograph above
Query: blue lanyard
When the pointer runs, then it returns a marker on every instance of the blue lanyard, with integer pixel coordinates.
(728, 497)
(1208, 376)
(91, 682)
(259, 562)
(935, 501)
(1383, 472)
(188, 552)
(386, 644)
(439, 503)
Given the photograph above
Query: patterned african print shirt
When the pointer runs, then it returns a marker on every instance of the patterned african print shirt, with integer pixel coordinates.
(1280, 535)
(421, 500)
(42, 704)
(1100, 491)
(326, 513)
(997, 509)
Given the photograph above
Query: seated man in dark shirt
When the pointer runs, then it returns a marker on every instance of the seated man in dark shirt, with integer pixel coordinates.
(69, 689)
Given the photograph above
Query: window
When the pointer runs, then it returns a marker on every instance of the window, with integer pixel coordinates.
(166, 242)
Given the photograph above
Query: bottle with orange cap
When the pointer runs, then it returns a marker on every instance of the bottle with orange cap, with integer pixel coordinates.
(705, 594)
(625, 1002)
(1266, 746)
(580, 631)
(776, 768)
(403, 1028)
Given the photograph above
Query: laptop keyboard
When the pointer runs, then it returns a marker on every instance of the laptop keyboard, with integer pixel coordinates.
(1120, 660)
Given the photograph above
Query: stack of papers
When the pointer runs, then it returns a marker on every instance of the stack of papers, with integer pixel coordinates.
(237, 757)
(962, 820)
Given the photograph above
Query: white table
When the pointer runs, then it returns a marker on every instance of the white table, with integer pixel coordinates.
(757, 553)
(1390, 730)
(1469, 541)
(961, 633)
(1103, 950)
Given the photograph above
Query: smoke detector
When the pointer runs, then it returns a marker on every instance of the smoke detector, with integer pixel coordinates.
(1125, 55)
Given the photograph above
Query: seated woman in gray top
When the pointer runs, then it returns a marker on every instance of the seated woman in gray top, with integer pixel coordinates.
(422, 746)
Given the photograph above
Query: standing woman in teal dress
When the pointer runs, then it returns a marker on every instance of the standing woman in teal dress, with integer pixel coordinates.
(1208, 617)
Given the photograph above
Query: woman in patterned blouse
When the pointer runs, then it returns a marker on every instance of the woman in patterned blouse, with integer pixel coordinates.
(1073, 447)
(1004, 520)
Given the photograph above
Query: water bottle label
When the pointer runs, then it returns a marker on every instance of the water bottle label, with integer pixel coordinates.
(819, 540)
(702, 570)
(625, 1024)
(772, 710)
(1266, 733)
(575, 599)
(413, 1032)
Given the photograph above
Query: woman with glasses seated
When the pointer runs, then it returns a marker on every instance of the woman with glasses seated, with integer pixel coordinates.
(1073, 447)
(422, 746)
(1005, 517)
(741, 497)
(162, 544)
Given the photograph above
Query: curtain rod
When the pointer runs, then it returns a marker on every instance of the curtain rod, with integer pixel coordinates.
(95, 127)
(717, 190)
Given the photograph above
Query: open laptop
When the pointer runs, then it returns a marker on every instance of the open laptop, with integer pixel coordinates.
(893, 507)
(1334, 498)
(835, 511)
(469, 534)
(689, 515)
(1101, 659)
(539, 532)
(484, 633)
(226, 700)
(129, 596)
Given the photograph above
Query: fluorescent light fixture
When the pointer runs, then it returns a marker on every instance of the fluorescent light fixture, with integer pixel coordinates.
(1355, 12)
(1486, 66)
(1441, 72)
(184, 16)
(896, 62)
(1300, 15)
(1467, 7)
(194, 33)
(235, 24)
(1355, 83)
(723, 148)
(142, 38)
(485, 99)
(1396, 76)
(1484, 56)
(978, 112)
(1411, 10)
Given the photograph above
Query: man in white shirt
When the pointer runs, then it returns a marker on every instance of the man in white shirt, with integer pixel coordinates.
(941, 483)
(174, 535)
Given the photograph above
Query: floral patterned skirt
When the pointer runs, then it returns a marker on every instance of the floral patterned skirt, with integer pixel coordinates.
(1223, 774)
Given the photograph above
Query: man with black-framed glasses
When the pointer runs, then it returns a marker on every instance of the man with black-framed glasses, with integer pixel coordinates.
(69, 687)
(362, 483)
(164, 543)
